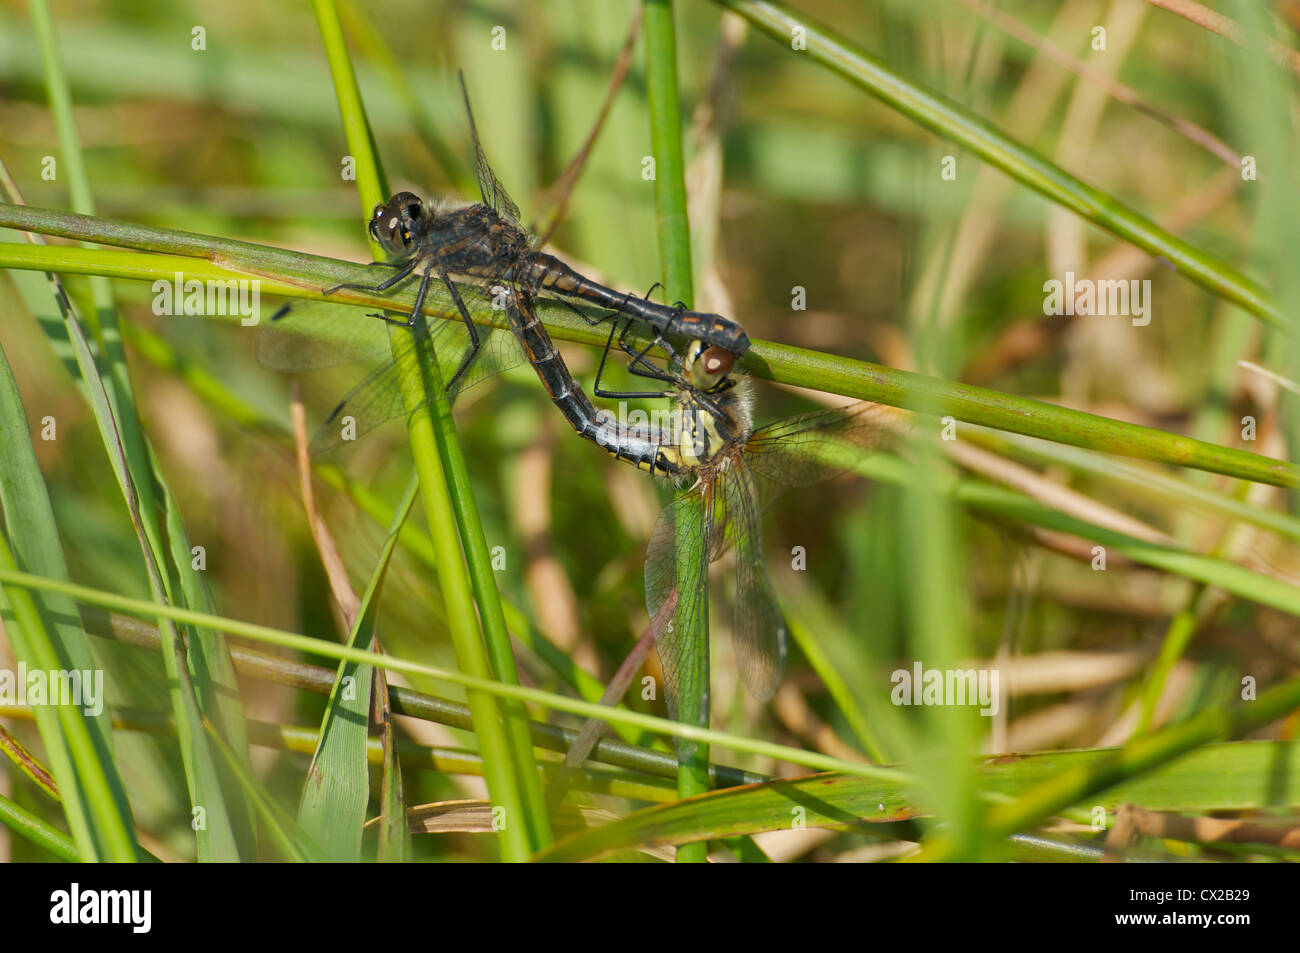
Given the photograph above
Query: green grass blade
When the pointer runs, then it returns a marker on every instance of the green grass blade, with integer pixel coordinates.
(954, 122)
(39, 832)
(1001, 411)
(292, 840)
(666, 140)
(674, 232)
(362, 30)
(336, 792)
(1224, 776)
(113, 401)
(82, 763)
(817, 658)
(44, 633)
(394, 834)
(512, 770)
(767, 360)
(356, 129)
(1142, 755)
(476, 685)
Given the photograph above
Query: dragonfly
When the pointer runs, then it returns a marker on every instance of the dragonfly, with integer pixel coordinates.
(484, 244)
(486, 240)
(720, 459)
(314, 338)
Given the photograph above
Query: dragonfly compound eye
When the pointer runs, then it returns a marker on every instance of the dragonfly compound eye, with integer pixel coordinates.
(413, 210)
(390, 225)
(717, 361)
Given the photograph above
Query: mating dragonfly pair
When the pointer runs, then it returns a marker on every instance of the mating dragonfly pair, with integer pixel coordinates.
(470, 259)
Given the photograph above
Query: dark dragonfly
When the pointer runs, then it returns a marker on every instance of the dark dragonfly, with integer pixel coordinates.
(313, 338)
(486, 240)
(724, 457)
(496, 266)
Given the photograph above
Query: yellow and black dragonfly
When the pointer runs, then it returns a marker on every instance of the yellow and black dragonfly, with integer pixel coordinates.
(722, 460)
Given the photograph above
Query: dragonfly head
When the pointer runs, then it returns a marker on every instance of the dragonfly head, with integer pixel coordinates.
(707, 366)
(397, 223)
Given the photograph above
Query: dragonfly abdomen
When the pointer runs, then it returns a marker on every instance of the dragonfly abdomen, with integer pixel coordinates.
(644, 453)
(548, 273)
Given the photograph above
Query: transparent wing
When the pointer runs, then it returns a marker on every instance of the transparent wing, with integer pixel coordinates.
(759, 632)
(378, 398)
(493, 192)
(816, 446)
(375, 400)
(310, 335)
(307, 336)
(676, 554)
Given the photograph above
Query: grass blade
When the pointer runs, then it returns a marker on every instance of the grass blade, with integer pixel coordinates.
(954, 122)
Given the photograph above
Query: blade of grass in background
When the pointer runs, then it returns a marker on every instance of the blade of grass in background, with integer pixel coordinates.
(675, 259)
(1140, 756)
(334, 650)
(362, 30)
(27, 825)
(394, 846)
(512, 775)
(222, 832)
(294, 843)
(1192, 784)
(1267, 117)
(766, 359)
(301, 676)
(43, 630)
(336, 792)
(935, 573)
(952, 121)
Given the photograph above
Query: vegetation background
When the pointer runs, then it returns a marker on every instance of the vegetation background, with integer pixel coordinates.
(821, 218)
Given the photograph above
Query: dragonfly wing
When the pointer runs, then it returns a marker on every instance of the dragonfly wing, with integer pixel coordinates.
(675, 608)
(490, 188)
(375, 400)
(308, 336)
(816, 446)
(498, 351)
(759, 633)
(379, 398)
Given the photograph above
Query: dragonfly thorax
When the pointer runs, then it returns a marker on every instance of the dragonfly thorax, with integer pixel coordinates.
(711, 429)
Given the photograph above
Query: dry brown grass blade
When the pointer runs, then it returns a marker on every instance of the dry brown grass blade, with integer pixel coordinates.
(549, 588)
(557, 196)
(592, 727)
(1025, 338)
(475, 816)
(1115, 89)
(1050, 493)
(1216, 22)
(1133, 823)
(337, 574)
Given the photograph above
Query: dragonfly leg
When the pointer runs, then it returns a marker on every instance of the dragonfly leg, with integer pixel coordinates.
(404, 270)
(711, 405)
(642, 367)
(580, 313)
(601, 392)
(474, 343)
(659, 340)
(411, 320)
